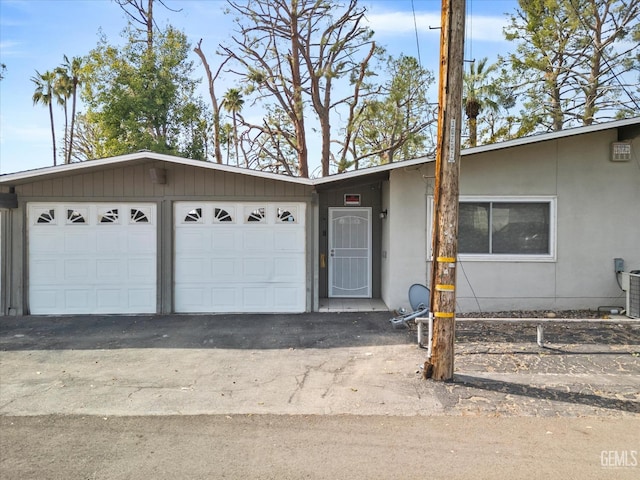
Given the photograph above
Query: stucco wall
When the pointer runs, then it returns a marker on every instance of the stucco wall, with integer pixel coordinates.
(404, 234)
(598, 218)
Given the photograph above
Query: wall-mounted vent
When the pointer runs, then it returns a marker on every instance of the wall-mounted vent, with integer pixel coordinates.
(620, 152)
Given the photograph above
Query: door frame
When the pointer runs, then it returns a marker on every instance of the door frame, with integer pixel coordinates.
(369, 251)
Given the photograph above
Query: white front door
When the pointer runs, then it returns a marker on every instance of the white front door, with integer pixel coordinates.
(350, 252)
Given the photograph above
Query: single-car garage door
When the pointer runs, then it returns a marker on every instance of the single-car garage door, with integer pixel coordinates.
(92, 258)
(240, 257)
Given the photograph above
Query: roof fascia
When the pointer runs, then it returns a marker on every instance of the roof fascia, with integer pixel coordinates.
(123, 159)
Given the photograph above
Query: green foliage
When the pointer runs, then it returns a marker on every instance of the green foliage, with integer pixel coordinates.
(140, 98)
(571, 60)
(393, 125)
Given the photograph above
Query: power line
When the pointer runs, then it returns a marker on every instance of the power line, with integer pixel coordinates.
(415, 27)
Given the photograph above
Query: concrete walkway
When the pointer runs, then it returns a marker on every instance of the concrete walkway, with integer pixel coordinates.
(342, 363)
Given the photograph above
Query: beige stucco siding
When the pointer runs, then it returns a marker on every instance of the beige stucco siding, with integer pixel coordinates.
(598, 218)
(404, 233)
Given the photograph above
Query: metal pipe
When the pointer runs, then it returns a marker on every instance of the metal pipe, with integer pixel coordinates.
(430, 335)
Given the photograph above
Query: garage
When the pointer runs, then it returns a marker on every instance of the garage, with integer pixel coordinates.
(92, 258)
(239, 257)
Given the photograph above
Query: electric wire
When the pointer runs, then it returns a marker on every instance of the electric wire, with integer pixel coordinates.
(415, 28)
(604, 58)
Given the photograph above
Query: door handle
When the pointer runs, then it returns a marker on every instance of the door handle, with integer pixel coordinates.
(331, 252)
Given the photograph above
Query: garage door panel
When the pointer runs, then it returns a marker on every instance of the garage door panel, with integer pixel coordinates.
(78, 241)
(43, 299)
(109, 270)
(289, 241)
(190, 298)
(110, 241)
(288, 269)
(78, 270)
(257, 260)
(108, 299)
(255, 298)
(140, 297)
(256, 269)
(43, 271)
(91, 258)
(47, 242)
(194, 241)
(226, 298)
(225, 240)
(192, 269)
(285, 296)
(139, 268)
(223, 270)
(141, 242)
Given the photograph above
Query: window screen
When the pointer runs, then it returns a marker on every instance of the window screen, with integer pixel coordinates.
(518, 228)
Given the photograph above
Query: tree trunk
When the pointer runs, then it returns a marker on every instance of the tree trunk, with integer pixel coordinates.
(53, 131)
(73, 119)
(214, 102)
(296, 82)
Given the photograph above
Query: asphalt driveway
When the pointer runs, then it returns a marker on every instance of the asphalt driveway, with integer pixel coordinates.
(320, 363)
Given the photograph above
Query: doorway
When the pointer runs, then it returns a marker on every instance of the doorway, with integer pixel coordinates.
(349, 252)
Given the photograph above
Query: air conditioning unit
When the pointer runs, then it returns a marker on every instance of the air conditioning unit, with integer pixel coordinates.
(630, 283)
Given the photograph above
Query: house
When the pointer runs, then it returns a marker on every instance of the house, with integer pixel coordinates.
(541, 220)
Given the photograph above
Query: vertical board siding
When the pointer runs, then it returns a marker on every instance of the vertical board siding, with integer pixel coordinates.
(181, 181)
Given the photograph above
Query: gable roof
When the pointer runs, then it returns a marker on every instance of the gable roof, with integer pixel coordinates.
(631, 124)
(135, 158)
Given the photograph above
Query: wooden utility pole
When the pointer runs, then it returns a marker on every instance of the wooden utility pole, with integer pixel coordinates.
(445, 225)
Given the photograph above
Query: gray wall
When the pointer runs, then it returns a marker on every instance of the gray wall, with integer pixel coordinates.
(598, 218)
(371, 196)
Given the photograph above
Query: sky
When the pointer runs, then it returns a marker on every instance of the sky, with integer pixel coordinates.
(35, 34)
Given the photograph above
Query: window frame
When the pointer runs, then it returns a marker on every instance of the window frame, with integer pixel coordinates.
(506, 257)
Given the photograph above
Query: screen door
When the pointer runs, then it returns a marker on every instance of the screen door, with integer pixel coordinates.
(350, 252)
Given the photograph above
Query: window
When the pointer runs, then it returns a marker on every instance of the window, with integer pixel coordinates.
(48, 216)
(193, 216)
(108, 216)
(257, 215)
(221, 215)
(75, 216)
(286, 215)
(139, 216)
(512, 227)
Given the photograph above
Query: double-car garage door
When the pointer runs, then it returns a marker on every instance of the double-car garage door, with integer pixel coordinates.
(228, 257)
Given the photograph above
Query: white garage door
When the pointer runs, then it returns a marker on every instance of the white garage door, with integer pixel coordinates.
(240, 257)
(92, 258)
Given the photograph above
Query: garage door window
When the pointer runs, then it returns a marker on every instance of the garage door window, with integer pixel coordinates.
(222, 215)
(139, 216)
(287, 215)
(47, 217)
(76, 216)
(109, 216)
(257, 215)
(194, 216)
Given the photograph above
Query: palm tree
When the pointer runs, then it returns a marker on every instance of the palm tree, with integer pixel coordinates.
(62, 91)
(232, 103)
(72, 70)
(478, 93)
(45, 94)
